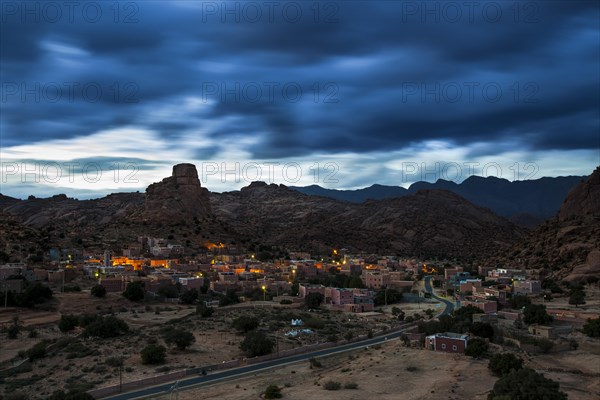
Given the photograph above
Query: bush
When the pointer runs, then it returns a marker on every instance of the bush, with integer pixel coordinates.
(114, 362)
(67, 322)
(332, 385)
(314, 300)
(526, 384)
(314, 363)
(502, 364)
(273, 392)
(476, 347)
(204, 311)
(536, 314)
(286, 301)
(37, 351)
(153, 354)
(257, 344)
(189, 296)
(351, 385)
(592, 327)
(106, 327)
(180, 338)
(245, 323)
(98, 291)
(134, 291)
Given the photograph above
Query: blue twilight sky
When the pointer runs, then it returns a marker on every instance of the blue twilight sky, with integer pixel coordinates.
(104, 96)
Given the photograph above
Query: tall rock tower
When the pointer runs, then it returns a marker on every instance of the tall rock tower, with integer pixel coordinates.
(178, 198)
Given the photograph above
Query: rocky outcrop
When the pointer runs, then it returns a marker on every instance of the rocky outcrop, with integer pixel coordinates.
(178, 197)
(567, 247)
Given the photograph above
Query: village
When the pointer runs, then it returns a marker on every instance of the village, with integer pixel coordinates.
(299, 301)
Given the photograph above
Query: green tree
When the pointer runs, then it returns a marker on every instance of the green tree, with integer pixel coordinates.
(229, 298)
(189, 296)
(245, 323)
(179, 338)
(314, 299)
(502, 364)
(526, 384)
(519, 301)
(482, 329)
(592, 327)
(134, 291)
(577, 297)
(98, 291)
(257, 343)
(153, 354)
(476, 347)
(273, 392)
(204, 311)
(536, 314)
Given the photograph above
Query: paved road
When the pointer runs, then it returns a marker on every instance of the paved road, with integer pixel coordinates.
(237, 372)
(449, 305)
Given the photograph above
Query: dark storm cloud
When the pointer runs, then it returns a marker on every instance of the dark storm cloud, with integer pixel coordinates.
(365, 70)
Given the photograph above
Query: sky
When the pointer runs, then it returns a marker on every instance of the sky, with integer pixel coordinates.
(101, 97)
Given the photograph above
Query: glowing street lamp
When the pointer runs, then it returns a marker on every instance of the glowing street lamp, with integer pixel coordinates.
(264, 288)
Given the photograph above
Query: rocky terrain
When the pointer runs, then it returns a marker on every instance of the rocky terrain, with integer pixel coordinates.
(427, 223)
(527, 203)
(568, 245)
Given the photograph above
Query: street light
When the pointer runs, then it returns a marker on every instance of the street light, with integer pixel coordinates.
(264, 288)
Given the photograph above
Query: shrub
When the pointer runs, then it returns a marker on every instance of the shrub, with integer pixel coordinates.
(314, 363)
(180, 338)
(98, 291)
(106, 327)
(134, 291)
(592, 327)
(313, 300)
(502, 364)
(67, 322)
(189, 296)
(37, 351)
(286, 301)
(257, 344)
(245, 323)
(351, 385)
(204, 311)
(332, 385)
(476, 347)
(153, 354)
(273, 392)
(526, 384)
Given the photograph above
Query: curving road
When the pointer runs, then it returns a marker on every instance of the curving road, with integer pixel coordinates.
(449, 305)
(237, 372)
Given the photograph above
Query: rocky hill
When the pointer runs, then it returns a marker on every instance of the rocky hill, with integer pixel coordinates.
(430, 222)
(568, 245)
(527, 203)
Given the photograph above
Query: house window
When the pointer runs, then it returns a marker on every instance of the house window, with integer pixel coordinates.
(444, 346)
(454, 347)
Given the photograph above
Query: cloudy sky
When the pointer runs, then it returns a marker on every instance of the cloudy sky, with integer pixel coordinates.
(99, 97)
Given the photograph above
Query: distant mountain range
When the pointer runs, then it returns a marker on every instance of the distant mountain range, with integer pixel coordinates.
(526, 203)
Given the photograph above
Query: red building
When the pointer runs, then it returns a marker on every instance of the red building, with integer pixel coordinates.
(448, 342)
